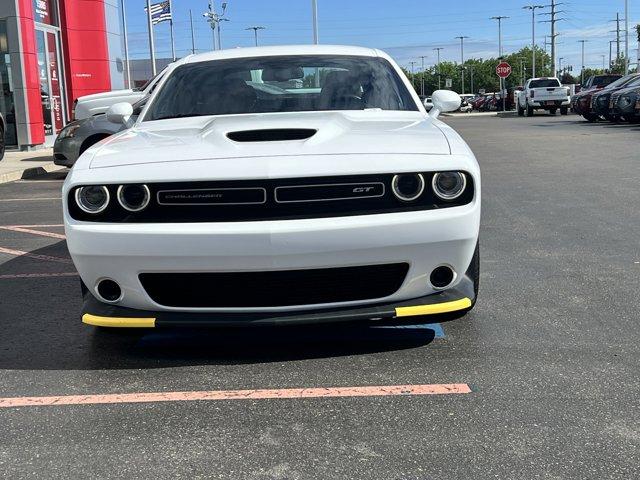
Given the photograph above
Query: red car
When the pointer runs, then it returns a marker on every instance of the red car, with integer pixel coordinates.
(581, 102)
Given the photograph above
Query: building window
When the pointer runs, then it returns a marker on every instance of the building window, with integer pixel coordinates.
(7, 107)
(44, 11)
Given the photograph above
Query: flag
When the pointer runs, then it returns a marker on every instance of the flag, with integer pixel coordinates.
(160, 12)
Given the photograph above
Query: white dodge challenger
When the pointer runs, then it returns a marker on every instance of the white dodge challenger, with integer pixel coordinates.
(276, 185)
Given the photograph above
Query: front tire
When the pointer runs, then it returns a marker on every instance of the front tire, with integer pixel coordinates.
(564, 110)
(530, 111)
(520, 111)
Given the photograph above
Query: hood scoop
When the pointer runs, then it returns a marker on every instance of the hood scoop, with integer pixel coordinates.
(271, 135)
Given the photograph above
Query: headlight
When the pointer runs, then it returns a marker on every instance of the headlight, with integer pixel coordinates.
(407, 186)
(69, 130)
(133, 197)
(93, 198)
(449, 185)
(624, 100)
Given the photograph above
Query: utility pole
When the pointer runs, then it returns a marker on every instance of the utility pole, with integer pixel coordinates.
(533, 36)
(603, 59)
(255, 31)
(617, 32)
(552, 20)
(582, 70)
(314, 13)
(413, 75)
(522, 70)
(560, 68)
(437, 49)
(502, 80)
(462, 37)
(422, 57)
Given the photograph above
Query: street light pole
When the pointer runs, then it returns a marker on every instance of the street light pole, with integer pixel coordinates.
(422, 57)
(533, 36)
(314, 12)
(215, 20)
(502, 80)
(255, 31)
(462, 37)
(437, 49)
(582, 70)
(626, 37)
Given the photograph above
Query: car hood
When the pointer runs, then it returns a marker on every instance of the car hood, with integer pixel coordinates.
(105, 95)
(336, 133)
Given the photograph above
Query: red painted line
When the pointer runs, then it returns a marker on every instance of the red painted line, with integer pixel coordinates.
(332, 392)
(34, 226)
(34, 232)
(37, 275)
(20, 253)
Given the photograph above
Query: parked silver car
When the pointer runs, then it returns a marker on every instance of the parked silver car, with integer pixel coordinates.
(2, 133)
(79, 135)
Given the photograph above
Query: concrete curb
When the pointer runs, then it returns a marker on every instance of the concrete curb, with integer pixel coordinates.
(28, 173)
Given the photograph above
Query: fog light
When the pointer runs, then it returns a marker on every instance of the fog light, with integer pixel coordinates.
(109, 290)
(408, 186)
(133, 197)
(441, 277)
(449, 185)
(93, 198)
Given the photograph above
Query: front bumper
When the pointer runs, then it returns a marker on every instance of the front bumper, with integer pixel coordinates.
(457, 299)
(65, 151)
(423, 239)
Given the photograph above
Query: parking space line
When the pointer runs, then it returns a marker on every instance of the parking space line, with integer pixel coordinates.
(37, 275)
(262, 394)
(36, 256)
(34, 232)
(29, 199)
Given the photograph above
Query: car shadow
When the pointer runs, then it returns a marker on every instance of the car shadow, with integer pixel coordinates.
(42, 330)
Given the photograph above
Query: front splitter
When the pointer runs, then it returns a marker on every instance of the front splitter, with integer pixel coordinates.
(456, 299)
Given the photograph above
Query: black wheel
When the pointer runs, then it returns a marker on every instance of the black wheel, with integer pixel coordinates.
(553, 111)
(564, 110)
(530, 111)
(520, 111)
(2, 144)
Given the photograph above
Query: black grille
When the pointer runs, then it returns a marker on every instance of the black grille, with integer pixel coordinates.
(269, 199)
(274, 289)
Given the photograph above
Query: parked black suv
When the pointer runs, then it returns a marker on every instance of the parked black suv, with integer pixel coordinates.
(600, 101)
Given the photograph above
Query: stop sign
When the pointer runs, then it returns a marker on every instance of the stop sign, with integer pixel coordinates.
(503, 70)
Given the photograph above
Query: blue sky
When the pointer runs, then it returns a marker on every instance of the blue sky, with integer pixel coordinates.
(406, 29)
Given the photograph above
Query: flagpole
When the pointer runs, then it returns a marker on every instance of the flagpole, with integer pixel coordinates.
(151, 47)
(173, 43)
(193, 38)
(126, 45)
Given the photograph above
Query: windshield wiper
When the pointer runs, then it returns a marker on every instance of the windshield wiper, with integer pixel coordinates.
(181, 115)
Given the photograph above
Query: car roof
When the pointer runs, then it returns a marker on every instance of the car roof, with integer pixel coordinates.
(286, 50)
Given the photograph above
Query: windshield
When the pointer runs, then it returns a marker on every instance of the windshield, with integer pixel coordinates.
(604, 80)
(623, 81)
(281, 84)
(546, 82)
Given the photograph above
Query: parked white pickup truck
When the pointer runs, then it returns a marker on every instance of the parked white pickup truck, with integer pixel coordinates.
(545, 93)
(97, 103)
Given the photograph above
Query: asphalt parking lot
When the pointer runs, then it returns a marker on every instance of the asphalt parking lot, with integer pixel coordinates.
(550, 355)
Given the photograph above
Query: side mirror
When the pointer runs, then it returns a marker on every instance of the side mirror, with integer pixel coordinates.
(444, 101)
(120, 113)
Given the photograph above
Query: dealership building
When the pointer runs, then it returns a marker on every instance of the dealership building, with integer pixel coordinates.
(52, 52)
